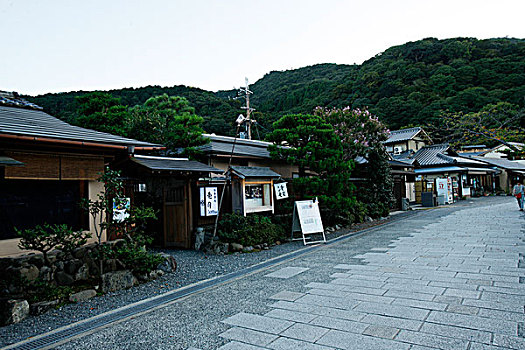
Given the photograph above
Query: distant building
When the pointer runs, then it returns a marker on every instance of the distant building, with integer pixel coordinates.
(468, 177)
(498, 151)
(401, 141)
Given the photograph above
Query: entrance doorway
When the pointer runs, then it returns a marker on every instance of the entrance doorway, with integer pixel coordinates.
(177, 217)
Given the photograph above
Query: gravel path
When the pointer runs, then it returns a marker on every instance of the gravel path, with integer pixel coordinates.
(193, 266)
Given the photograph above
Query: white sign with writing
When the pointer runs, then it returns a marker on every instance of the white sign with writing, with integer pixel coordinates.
(209, 201)
(281, 191)
(309, 216)
(307, 219)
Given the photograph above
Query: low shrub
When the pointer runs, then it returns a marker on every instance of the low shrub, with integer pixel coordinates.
(137, 259)
(249, 230)
(43, 291)
(44, 238)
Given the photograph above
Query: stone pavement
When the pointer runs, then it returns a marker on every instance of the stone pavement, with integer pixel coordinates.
(451, 278)
(454, 284)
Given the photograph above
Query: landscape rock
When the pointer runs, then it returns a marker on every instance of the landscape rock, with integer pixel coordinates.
(13, 311)
(64, 279)
(72, 266)
(168, 265)
(199, 238)
(37, 260)
(82, 273)
(42, 307)
(113, 281)
(247, 249)
(82, 296)
(46, 274)
(225, 248)
(110, 265)
(31, 272)
(236, 247)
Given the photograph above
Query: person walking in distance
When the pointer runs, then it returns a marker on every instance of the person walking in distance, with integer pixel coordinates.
(518, 191)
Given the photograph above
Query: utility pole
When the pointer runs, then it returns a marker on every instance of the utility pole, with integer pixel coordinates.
(246, 91)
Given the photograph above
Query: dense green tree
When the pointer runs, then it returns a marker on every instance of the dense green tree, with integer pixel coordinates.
(168, 120)
(310, 142)
(101, 111)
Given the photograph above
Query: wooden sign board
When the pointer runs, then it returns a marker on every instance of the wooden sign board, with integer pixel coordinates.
(307, 219)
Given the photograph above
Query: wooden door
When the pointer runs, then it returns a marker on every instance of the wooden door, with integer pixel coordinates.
(177, 228)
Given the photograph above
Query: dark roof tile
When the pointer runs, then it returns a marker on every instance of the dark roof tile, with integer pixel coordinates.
(173, 164)
(34, 123)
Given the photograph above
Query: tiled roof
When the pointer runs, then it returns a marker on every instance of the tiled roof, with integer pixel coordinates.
(405, 157)
(433, 155)
(518, 145)
(470, 154)
(14, 100)
(39, 125)
(401, 163)
(173, 164)
(502, 163)
(252, 171)
(403, 135)
(224, 144)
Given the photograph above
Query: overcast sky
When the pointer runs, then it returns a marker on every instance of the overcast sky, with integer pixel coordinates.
(56, 46)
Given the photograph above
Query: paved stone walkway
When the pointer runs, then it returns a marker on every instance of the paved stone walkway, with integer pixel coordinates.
(451, 278)
(453, 284)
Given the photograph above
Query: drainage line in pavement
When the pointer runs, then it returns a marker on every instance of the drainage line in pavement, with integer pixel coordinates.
(67, 333)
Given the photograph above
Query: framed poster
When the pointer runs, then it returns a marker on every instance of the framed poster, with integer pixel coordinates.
(121, 208)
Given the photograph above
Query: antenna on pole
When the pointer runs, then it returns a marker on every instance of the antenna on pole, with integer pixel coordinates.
(246, 92)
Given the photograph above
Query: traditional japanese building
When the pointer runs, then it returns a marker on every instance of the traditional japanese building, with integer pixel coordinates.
(47, 166)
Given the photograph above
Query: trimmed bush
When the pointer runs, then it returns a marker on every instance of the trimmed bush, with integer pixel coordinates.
(249, 230)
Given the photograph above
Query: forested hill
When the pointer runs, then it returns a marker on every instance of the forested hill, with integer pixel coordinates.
(218, 112)
(407, 84)
(412, 83)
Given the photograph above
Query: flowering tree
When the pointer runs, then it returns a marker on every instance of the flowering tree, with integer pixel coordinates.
(359, 130)
(361, 135)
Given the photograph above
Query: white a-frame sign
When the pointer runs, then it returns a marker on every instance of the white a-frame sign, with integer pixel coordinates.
(307, 219)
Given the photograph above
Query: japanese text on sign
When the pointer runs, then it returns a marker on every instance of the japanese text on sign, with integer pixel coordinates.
(209, 201)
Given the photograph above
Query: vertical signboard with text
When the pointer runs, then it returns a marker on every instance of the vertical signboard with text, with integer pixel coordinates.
(209, 201)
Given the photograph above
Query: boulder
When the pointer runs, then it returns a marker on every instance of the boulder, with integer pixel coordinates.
(82, 274)
(42, 307)
(168, 265)
(248, 249)
(30, 272)
(236, 247)
(199, 238)
(46, 274)
(72, 266)
(110, 265)
(82, 296)
(64, 279)
(113, 281)
(13, 311)
(37, 260)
